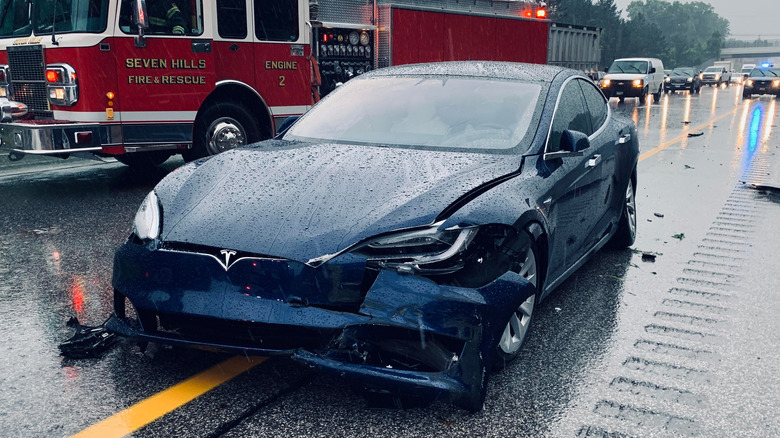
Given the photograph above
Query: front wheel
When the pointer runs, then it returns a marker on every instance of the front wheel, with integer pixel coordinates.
(746, 95)
(222, 127)
(144, 160)
(626, 229)
(519, 324)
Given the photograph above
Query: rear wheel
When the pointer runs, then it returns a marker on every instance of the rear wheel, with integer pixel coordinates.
(519, 324)
(222, 127)
(657, 96)
(626, 229)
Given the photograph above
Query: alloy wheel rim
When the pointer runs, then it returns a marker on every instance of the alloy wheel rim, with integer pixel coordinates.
(631, 208)
(517, 328)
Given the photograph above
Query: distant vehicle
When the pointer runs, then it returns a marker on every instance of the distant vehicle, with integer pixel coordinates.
(683, 78)
(762, 81)
(715, 75)
(634, 77)
(746, 69)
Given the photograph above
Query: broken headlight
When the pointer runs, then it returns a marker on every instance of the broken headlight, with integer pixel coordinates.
(461, 256)
(431, 250)
(147, 220)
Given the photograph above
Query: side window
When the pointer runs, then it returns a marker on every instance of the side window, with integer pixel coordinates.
(276, 20)
(596, 104)
(570, 114)
(166, 17)
(231, 18)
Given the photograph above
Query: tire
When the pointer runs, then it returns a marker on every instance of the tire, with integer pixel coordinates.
(746, 95)
(643, 96)
(144, 160)
(519, 325)
(626, 229)
(621, 99)
(222, 127)
(657, 96)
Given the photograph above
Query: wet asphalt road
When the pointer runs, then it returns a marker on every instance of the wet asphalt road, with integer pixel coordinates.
(685, 345)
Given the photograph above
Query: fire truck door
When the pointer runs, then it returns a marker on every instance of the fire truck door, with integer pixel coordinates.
(164, 76)
(283, 71)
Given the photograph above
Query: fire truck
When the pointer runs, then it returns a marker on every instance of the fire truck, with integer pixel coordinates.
(141, 80)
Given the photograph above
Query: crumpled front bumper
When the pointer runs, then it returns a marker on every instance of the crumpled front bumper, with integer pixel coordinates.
(407, 336)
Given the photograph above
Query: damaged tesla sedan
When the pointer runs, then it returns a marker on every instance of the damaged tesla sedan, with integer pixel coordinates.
(400, 233)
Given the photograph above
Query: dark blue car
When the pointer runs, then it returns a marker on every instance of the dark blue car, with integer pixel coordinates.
(400, 233)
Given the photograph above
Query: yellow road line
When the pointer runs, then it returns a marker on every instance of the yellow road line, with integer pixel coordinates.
(679, 138)
(154, 407)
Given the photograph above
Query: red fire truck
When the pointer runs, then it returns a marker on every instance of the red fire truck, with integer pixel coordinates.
(141, 80)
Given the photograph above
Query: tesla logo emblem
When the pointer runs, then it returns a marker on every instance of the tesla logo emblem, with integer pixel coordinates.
(228, 254)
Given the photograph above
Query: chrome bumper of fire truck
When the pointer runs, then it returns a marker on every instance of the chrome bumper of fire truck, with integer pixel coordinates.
(50, 137)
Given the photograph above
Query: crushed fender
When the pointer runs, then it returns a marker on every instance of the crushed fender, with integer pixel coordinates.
(87, 342)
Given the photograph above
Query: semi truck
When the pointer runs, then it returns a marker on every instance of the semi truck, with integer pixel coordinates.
(141, 80)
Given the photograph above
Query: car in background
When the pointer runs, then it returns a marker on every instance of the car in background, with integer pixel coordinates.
(762, 80)
(715, 75)
(745, 71)
(683, 78)
(634, 77)
(400, 234)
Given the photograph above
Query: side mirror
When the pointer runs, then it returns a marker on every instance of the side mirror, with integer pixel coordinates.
(652, 69)
(141, 20)
(574, 141)
(285, 125)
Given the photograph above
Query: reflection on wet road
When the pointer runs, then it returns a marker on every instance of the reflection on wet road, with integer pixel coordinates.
(678, 346)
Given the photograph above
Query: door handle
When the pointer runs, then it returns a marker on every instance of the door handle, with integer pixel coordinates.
(594, 160)
(624, 139)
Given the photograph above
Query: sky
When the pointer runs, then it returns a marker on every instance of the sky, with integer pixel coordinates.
(748, 18)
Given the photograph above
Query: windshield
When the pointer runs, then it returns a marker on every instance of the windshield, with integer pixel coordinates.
(430, 111)
(713, 69)
(629, 67)
(761, 72)
(747, 69)
(65, 16)
(14, 18)
(682, 72)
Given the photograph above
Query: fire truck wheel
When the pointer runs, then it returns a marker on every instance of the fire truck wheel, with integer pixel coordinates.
(144, 160)
(220, 128)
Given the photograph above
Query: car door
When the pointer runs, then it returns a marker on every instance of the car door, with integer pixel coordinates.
(602, 162)
(574, 195)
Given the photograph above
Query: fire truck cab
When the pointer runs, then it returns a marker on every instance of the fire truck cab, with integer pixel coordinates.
(141, 80)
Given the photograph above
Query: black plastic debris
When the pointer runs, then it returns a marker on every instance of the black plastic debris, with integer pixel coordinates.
(658, 214)
(686, 122)
(647, 257)
(689, 167)
(695, 134)
(88, 341)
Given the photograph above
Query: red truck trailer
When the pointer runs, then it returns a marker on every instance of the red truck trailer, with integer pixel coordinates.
(141, 80)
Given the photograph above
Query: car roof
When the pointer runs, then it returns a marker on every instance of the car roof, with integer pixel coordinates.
(487, 69)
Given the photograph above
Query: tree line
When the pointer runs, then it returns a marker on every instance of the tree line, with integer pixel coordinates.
(680, 34)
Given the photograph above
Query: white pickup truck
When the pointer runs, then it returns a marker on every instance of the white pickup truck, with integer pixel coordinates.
(715, 75)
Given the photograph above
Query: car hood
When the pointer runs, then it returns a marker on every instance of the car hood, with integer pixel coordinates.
(301, 201)
(624, 76)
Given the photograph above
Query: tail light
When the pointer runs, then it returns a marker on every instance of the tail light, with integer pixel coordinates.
(541, 13)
